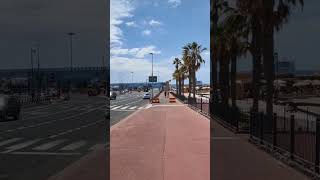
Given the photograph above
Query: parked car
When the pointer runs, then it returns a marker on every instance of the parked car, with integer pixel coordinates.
(9, 107)
(146, 95)
(113, 95)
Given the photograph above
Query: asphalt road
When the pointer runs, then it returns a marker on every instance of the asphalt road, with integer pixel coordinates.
(126, 104)
(48, 138)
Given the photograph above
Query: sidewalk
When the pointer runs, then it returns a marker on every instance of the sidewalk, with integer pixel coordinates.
(235, 158)
(164, 142)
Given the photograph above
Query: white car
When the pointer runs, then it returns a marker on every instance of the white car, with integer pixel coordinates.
(147, 95)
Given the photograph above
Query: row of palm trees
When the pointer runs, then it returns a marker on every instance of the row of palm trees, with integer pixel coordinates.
(187, 67)
(248, 26)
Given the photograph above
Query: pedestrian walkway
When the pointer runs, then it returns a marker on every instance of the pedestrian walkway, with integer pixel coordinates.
(163, 142)
(234, 157)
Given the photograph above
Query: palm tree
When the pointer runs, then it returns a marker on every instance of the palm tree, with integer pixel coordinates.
(237, 45)
(186, 58)
(177, 62)
(194, 51)
(247, 16)
(273, 19)
(183, 74)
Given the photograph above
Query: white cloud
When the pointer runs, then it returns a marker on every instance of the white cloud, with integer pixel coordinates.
(174, 3)
(135, 52)
(146, 32)
(122, 66)
(131, 24)
(119, 10)
(154, 23)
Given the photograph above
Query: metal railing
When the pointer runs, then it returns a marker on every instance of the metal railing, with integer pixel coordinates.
(294, 136)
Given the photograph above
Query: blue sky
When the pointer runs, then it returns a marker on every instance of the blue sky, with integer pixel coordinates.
(139, 27)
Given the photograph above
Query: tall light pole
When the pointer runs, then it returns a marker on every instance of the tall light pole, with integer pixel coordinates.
(151, 75)
(132, 78)
(71, 54)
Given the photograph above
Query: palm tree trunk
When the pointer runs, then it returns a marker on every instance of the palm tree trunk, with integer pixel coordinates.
(213, 56)
(190, 82)
(194, 84)
(233, 80)
(268, 55)
(179, 85)
(256, 61)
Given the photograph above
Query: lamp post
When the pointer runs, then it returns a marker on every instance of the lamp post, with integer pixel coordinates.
(70, 36)
(151, 75)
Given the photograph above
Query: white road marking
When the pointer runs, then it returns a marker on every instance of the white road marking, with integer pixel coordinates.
(21, 145)
(117, 107)
(45, 153)
(73, 146)
(125, 107)
(9, 141)
(133, 107)
(49, 145)
(95, 147)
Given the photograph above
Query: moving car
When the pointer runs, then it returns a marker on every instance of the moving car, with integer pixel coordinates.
(147, 95)
(113, 95)
(9, 107)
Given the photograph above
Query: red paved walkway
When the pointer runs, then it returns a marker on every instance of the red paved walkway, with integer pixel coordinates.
(235, 158)
(164, 142)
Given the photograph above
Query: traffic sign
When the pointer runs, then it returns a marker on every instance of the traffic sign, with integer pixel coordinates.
(152, 78)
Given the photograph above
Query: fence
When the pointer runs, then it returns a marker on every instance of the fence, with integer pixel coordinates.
(293, 135)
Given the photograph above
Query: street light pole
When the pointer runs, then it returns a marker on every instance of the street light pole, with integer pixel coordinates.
(152, 76)
(71, 54)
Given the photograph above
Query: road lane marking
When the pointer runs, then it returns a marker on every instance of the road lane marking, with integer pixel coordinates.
(125, 107)
(20, 146)
(134, 107)
(49, 145)
(74, 146)
(46, 153)
(9, 141)
(117, 107)
(52, 121)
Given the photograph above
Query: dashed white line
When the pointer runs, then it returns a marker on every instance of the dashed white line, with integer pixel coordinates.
(9, 141)
(73, 146)
(49, 145)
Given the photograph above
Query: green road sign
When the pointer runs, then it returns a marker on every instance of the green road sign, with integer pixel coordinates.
(152, 78)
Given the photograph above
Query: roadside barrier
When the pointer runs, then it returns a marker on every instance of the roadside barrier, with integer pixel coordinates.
(172, 99)
(156, 100)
